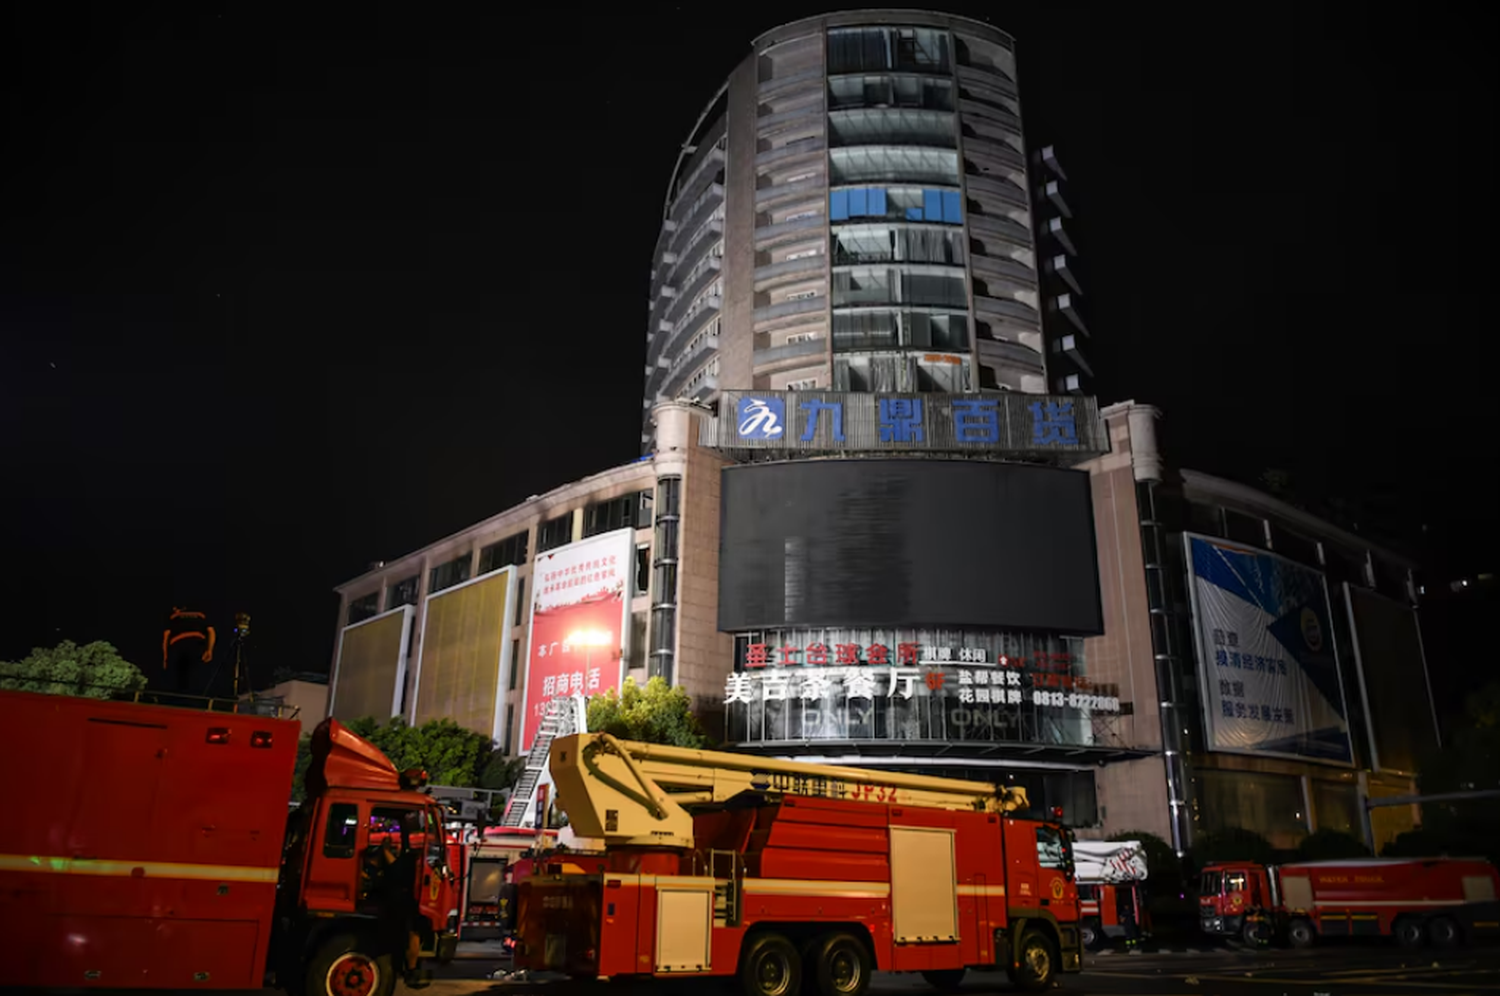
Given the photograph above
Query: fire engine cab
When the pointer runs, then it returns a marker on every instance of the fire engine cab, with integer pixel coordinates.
(717, 864)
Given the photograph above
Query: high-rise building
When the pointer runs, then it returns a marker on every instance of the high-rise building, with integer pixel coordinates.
(856, 210)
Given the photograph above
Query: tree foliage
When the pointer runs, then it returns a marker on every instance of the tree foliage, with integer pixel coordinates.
(1468, 761)
(1331, 845)
(1233, 844)
(95, 670)
(656, 714)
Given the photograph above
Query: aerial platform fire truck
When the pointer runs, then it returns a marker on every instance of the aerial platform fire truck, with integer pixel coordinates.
(1416, 900)
(717, 864)
(159, 854)
(1111, 897)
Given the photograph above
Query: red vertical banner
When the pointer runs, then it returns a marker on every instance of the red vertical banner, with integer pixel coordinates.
(579, 632)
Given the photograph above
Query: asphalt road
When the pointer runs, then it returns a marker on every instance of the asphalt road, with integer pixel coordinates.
(1332, 970)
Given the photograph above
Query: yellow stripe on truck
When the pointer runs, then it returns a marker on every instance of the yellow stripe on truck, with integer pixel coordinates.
(135, 869)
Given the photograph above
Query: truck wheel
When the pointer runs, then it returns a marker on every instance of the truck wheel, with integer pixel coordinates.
(944, 979)
(1409, 933)
(1091, 935)
(770, 966)
(1038, 963)
(1257, 933)
(842, 966)
(1300, 933)
(347, 965)
(1444, 933)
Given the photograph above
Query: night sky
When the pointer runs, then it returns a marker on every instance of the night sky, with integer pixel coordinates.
(280, 296)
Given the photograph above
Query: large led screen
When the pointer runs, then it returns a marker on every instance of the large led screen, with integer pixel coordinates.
(889, 543)
(370, 670)
(1392, 680)
(465, 641)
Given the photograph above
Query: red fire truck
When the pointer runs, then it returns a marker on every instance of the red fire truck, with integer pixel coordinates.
(482, 862)
(1111, 897)
(1444, 900)
(717, 864)
(159, 854)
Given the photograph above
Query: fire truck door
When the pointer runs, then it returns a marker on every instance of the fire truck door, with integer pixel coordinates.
(436, 900)
(1236, 895)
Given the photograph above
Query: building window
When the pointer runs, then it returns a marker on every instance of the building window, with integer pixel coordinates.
(455, 571)
(632, 511)
(554, 533)
(643, 568)
(875, 50)
(797, 337)
(403, 592)
(804, 254)
(510, 726)
(364, 608)
(504, 553)
(807, 384)
(868, 163)
(515, 666)
(520, 601)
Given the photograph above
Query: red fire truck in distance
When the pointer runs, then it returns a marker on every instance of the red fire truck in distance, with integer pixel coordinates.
(1444, 900)
(159, 854)
(730, 865)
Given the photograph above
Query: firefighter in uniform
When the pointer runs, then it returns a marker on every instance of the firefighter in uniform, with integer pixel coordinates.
(187, 641)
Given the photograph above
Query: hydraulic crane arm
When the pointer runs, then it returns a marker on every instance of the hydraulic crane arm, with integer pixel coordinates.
(644, 794)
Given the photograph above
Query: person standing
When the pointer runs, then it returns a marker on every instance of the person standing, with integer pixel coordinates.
(187, 641)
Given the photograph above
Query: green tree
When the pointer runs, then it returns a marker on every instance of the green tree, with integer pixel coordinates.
(95, 670)
(1468, 761)
(656, 714)
(1331, 845)
(1233, 844)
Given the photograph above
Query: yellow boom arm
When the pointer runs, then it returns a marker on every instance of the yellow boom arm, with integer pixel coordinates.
(625, 792)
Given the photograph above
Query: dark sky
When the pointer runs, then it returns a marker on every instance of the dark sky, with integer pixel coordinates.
(280, 296)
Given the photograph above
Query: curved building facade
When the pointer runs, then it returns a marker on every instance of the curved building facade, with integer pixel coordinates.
(855, 211)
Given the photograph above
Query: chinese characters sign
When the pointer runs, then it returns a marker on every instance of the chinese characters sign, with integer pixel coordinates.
(1269, 670)
(1064, 427)
(580, 602)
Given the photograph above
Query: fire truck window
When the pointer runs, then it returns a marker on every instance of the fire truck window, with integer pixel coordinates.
(343, 827)
(1209, 883)
(394, 827)
(1235, 882)
(1050, 852)
(437, 846)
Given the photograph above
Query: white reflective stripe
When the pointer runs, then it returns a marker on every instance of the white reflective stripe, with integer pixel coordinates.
(981, 890)
(133, 869)
(834, 890)
(701, 881)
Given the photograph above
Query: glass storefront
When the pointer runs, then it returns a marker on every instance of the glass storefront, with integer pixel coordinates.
(916, 685)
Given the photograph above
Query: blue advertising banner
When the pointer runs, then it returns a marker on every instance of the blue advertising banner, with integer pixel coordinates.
(1266, 658)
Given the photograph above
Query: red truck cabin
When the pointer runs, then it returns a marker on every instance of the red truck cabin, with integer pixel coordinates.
(923, 889)
(151, 854)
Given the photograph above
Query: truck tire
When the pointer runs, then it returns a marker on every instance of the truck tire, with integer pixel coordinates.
(770, 966)
(841, 965)
(1037, 968)
(347, 965)
(1300, 933)
(1444, 932)
(1091, 935)
(944, 979)
(1409, 932)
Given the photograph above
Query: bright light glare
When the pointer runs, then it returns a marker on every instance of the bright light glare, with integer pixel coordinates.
(590, 638)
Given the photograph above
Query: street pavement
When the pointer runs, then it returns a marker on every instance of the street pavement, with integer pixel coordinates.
(1327, 970)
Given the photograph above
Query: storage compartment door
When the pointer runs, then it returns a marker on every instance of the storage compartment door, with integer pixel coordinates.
(1296, 892)
(684, 918)
(924, 888)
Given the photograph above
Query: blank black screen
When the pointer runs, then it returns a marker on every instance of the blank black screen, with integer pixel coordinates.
(912, 543)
